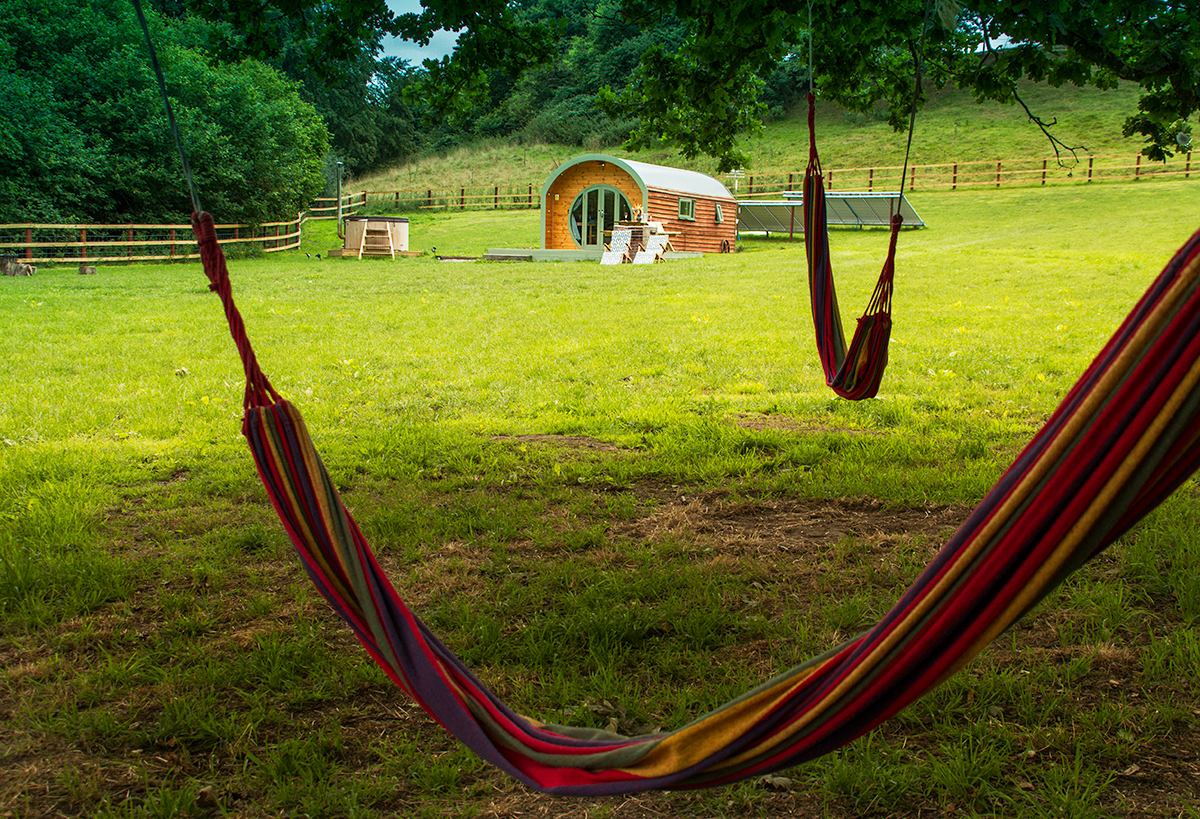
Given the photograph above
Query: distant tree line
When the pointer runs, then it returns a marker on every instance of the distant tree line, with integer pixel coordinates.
(597, 46)
(698, 96)
(85, 135)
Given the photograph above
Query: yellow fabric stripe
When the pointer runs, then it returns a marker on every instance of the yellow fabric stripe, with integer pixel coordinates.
(314, 473)
(279, 461)
(695, 743)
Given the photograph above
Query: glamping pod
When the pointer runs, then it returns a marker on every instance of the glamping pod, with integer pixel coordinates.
(587, 195)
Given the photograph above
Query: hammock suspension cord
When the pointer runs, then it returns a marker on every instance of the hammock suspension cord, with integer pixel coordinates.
(162, 89)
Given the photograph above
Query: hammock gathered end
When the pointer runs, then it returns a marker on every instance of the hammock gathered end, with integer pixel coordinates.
(1125, 436)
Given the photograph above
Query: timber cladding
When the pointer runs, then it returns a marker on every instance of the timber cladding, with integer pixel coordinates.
(572, 182)
(703, 232)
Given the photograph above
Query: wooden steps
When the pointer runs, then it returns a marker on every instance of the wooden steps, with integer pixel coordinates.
(377, 241)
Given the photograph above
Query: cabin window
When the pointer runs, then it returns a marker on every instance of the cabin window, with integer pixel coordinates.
(687, 209)
(720, 216)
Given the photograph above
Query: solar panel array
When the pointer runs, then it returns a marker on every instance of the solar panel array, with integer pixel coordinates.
(785, 215)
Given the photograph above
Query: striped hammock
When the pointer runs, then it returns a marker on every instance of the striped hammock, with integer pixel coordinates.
(1125, 436)
(853, 372)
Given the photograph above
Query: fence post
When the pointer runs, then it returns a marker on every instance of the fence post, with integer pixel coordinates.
(751, 193)
(462, 198)
(1091, 159)
(1043, 171)
(496, 198)
(830, 181)
(871, 179)
(912, 180)
(954, 178)
(790, 183)
(998, 174)
(429, 198)
(530, 194)
(1137, 168)
(1187, 168)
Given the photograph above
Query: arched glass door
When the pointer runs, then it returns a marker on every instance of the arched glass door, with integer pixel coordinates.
(593, 214)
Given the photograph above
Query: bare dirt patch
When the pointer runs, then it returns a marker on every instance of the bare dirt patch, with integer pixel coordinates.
(739, 526)
(787, 423)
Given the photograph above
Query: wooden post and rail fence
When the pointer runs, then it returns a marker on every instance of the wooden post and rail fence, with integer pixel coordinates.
(112, 243)
(95, 243)
(108, 244)
(981, 174)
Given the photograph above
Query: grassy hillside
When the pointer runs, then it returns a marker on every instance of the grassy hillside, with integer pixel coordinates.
(951, 128)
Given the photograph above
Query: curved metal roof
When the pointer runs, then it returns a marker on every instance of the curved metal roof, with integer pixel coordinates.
(653, 176)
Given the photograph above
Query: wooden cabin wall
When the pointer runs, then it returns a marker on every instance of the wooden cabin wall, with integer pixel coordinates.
(705, 234)
(571, 183)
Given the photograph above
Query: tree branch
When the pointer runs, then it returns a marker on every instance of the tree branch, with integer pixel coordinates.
(1055, 142)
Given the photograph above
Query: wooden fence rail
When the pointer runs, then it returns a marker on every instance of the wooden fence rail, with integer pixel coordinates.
(985, 173)
(96, 243)
(326, 207)
(91, 244)
(948, 175)
(477, 197)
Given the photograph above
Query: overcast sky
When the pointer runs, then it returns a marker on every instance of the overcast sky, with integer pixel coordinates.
(441, 44)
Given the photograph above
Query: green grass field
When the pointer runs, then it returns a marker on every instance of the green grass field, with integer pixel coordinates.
(623, 495)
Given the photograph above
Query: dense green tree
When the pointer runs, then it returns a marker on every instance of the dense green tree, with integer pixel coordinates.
(596, 46)
(699, 95)
(86, 136)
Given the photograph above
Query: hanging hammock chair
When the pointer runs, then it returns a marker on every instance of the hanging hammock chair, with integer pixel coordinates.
(1125, 436)
(853, 372)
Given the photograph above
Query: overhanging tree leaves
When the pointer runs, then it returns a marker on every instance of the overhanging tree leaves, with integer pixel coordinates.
(864, 52)
(700, 95)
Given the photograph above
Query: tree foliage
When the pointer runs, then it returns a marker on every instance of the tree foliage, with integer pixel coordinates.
(597, 45)
(87, 138)
(867, 51)
(700, 92)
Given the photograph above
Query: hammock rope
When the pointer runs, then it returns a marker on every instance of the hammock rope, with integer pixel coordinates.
(1125, 436)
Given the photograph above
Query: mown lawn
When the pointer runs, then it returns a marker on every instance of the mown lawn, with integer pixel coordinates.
(622, 495)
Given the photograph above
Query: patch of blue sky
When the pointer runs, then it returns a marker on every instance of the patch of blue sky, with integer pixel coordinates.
(441, 44)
